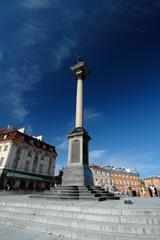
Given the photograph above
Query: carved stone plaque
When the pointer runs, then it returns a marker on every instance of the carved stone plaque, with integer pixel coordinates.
(75, 151)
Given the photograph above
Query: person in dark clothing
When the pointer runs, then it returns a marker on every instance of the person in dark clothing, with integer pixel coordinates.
(156, 192)
(22, 185)
(59, 182)
(150, 191)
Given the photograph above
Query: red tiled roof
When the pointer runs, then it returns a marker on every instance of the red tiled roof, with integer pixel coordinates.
(17, 136)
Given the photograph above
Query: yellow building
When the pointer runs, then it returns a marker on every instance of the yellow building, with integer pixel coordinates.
(153, 180)
(118, 178)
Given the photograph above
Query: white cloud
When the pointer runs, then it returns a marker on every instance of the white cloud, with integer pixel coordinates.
(31, 55)
(58, 168)
(63, 145)
(90, 114)
(32, 32)
(36, 4)
(62, 51)
(134, 159)
(131, 159)
(16, 84)
(96, 156)
(29, 128)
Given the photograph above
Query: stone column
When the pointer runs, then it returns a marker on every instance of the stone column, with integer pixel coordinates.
(79, 103)
(78, 173)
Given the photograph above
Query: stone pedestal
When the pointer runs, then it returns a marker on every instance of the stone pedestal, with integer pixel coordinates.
(78, 172)
(77, 176)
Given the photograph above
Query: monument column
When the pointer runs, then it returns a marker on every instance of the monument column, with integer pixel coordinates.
(79, 102)
(78, 173)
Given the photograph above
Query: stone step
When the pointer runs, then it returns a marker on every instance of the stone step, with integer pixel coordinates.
(74, 197)
(70, 207)
(85, 216)
(72, 192)
(66, 191)
(104, 226)
(73, 233)
(50, 197)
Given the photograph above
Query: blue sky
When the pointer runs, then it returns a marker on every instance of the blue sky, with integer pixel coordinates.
(120, 42)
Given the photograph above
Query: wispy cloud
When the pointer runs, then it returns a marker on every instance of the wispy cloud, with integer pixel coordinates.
(59, 167)
(97, 156)
(62, 51)
(29, 128)
(131, 158)
(37, 45)
(63, 145)
(18, 82)
(134, 159)
(36, 4)
(91, 114)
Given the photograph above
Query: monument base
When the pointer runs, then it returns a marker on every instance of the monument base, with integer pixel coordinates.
(77, 176)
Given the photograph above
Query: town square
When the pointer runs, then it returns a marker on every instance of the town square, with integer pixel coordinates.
(79, 126)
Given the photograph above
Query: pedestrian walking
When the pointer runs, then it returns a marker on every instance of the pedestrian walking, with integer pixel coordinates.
(156, 192)
(143, 191)
(150, 190)
(153, 191)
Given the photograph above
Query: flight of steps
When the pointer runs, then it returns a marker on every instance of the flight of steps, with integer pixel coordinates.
(81, 223)
(76, 193)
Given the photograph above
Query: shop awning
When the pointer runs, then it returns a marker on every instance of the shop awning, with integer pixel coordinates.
(24, 176)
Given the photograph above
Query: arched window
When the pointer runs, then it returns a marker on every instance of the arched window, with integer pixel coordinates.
(29, 153)
(17, 158)
(49, 165)
(35, 162)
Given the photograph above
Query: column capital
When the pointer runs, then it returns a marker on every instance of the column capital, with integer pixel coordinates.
(80, 70)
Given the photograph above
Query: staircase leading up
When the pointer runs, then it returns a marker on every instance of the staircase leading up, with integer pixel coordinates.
(76, 193)
(81, 223)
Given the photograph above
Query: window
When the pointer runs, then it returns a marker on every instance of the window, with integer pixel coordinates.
(35, 163)
(1, 161)
(44, 146)
(17, 158)
(27, 165)
(41, 168)
(29, 153)
(31, 142)
(21, 137)
(6, 147)
(49, 166)
(51, 149)
(5, 136)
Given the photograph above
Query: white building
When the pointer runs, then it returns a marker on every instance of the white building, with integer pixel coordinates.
(25, 158)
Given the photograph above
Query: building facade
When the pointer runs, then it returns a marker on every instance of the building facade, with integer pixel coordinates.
(25, 158)
(118, 179)
(153, 180)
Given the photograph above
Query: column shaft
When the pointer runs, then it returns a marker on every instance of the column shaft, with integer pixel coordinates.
(79, 103)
